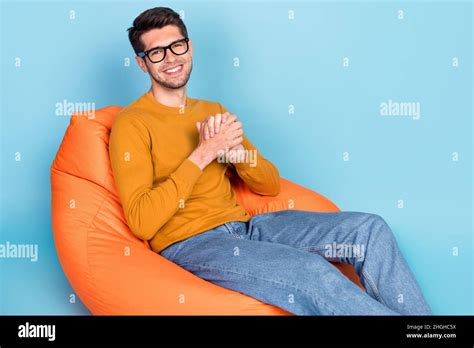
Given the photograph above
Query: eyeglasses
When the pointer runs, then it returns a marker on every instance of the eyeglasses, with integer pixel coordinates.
(157, 54)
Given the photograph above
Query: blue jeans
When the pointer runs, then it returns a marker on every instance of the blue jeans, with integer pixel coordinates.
(281, 258)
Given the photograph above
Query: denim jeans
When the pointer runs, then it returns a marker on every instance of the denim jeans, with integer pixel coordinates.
(281, 258)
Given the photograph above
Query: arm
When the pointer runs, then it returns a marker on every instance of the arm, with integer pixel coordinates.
(147, 207)
(256, 171)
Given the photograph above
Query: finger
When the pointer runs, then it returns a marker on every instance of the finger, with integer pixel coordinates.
(236, 147)
(225, 116)
(201, 131)
(236, 125)
(238, 132)
(236, 141)
(206, 132)
(201, 127)
(217, 123)
(198, 126)
(210, 124)
(231, 118)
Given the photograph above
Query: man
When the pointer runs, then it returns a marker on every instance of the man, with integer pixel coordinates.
(169, 156)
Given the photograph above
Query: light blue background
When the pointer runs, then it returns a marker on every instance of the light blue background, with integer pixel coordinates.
(282, 62)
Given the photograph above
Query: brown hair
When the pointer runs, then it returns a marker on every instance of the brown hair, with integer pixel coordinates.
(154, 18)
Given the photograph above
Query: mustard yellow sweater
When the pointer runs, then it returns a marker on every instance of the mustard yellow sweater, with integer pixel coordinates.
(166, 197)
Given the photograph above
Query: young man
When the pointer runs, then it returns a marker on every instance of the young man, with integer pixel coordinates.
(169, 155)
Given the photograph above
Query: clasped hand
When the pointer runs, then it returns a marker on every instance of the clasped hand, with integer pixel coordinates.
(222, 133)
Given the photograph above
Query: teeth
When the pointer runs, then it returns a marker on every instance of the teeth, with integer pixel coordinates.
(174, 69)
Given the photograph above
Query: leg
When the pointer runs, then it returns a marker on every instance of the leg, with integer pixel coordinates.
(295, 280)
(363, 240)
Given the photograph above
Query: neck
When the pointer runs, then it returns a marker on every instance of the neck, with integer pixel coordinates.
(169, 97)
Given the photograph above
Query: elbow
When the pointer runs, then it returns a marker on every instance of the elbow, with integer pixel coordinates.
(269, 190)
(140, 225)
(142, 232)
(275, 189)
(276, 186)
(272, 187)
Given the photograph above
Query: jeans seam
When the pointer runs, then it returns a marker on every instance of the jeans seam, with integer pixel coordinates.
(231, 229)
(364, 272)
(373, 286)
(312, 248)
(312, 294)
(369, 277)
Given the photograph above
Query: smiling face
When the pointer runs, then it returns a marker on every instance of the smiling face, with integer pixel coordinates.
(174, 71)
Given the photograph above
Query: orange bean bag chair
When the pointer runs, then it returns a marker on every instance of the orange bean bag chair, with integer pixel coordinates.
(115, 273)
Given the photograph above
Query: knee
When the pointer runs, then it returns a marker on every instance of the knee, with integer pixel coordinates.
(379, 228)
(375, 218)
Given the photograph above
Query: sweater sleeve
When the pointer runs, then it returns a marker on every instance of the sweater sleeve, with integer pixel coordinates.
(147, 207)
(260, 175)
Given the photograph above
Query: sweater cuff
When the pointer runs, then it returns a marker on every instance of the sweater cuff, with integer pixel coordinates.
(188, 172)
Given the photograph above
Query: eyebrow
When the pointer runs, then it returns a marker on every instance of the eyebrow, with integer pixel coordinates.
(153, 47)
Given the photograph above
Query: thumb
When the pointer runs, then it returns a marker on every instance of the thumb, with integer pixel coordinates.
(198, 126)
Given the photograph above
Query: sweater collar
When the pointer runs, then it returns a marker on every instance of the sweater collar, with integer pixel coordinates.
(184, 110)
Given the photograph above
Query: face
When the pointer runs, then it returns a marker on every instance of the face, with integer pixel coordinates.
(164, 73)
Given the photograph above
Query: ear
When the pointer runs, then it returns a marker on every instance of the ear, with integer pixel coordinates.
(141, 63)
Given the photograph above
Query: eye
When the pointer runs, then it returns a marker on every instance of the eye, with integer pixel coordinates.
(156, 52)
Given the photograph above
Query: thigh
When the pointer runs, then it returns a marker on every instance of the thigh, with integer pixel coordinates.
(320, 232)
(292, 279)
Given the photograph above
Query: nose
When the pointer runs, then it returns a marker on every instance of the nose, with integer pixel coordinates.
(170, 56)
